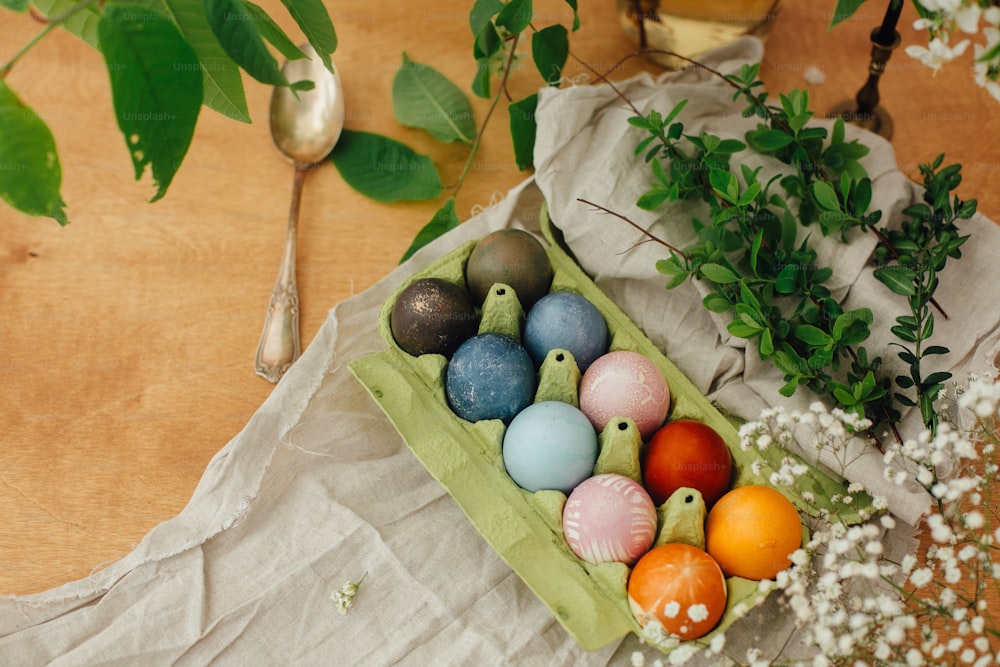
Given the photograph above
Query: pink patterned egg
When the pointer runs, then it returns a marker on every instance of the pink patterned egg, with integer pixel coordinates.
(609, 518)
(625, 384)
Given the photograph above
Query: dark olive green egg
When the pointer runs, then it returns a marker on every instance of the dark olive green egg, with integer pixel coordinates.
(513, 257)
(433, 316)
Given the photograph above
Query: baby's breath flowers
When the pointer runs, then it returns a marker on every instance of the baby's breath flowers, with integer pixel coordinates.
(345, 596)
(856, 597)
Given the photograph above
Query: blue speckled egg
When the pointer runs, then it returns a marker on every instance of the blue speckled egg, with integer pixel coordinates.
(567, 321)
(490, 376)
(550, 445)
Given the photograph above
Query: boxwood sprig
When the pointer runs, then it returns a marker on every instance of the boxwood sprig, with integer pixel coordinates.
(772, 283)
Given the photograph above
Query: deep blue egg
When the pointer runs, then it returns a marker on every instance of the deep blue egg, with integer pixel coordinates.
(567, 321)
(490, 376)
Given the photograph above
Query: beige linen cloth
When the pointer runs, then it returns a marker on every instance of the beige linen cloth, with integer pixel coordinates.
(319, 488)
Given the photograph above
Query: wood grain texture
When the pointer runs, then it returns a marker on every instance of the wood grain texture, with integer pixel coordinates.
(129, 336)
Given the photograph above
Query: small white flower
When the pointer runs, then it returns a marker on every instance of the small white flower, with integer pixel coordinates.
(345, 596)
(922, 577)
(937, 53)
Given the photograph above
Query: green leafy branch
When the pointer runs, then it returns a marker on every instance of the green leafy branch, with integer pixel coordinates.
(925, 242)
(757, 270)
(771, 284)
(165, 60)
(497, 29)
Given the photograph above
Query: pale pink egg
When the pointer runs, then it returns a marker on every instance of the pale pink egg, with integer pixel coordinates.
(609, 518)
(625, 384)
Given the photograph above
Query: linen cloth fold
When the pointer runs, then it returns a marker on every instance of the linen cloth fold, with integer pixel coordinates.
(319, 488)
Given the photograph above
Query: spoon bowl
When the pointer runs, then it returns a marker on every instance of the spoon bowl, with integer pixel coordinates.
(305, 126)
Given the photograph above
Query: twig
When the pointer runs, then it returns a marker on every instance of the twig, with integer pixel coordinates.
(50, 25)
(651, 236)
(501, 89)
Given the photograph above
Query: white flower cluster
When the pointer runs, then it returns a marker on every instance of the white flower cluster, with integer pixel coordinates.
(855, 606)
(852, 603)
(946, 17)
(345, 596)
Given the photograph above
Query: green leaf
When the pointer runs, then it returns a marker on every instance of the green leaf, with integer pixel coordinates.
(741, 329)
(384, 169)
(221, 81)
(444, 220)
(766, 343)
(522, 130)
(812, 336)
(716, 303)
(481, 80)
(83, 23)
(766, 140)
(486, 43)
(482, 14)
(549, 50)
(156, 86)
(928, 329)
(758, 239)
(314, 22)
(515, 16)
(424, 98)
(904, 333)
(826, 196)
(576, 16)
(653, 199)
(273, 33)
(788, 389)
(729, 146)
(898, 279)
(724, 184)
(749, 195)
(234, 27)
(843, 396)
(718, 273)
(936, 378)
(16, 5)
(787, 279)
(30, 173)
(861, 197)
(935, 349)
(670, 267)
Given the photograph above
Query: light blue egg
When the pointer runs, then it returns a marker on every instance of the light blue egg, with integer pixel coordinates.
(567, 321)
(550, 445)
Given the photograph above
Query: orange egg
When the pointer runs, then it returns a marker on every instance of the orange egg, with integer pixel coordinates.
(752, 531)
(680, 586)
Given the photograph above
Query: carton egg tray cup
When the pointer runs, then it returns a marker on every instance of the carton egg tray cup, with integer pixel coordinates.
(524, 527)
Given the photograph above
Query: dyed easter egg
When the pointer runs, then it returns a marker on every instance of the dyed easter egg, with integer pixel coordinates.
(490, 376)
(609, 518)
(567, 321)
(432, 316)
(625, 384)
(687, 453)
(550, 445)
(512, 257)
(680, 587)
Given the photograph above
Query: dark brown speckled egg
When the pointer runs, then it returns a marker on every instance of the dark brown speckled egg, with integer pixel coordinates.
(513, 257)
(433, 316)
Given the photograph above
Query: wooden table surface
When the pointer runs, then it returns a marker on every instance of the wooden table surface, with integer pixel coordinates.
(128, 337)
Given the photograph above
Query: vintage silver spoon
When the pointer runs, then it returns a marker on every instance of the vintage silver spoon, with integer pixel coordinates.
(305, 129)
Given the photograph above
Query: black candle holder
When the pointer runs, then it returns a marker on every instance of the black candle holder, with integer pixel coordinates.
(864, 110)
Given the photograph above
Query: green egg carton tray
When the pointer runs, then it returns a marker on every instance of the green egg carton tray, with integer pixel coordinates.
(524, 528)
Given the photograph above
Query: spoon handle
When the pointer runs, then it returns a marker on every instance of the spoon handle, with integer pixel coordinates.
(279, 341)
